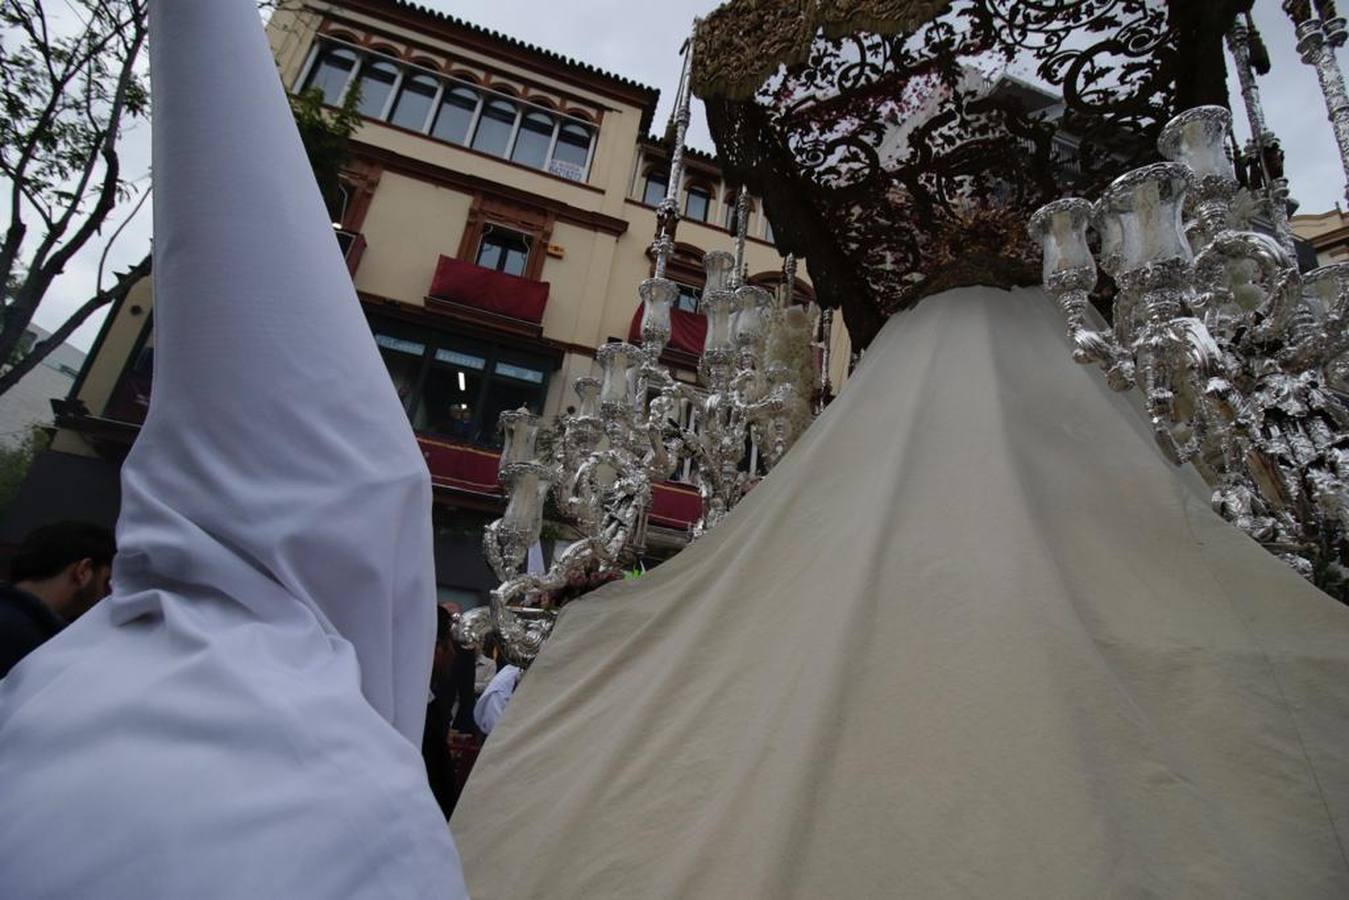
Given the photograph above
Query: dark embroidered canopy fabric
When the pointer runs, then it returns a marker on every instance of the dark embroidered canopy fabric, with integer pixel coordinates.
(905, 159)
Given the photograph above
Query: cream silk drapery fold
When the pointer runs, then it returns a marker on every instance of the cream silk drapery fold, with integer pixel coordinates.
(973, 637)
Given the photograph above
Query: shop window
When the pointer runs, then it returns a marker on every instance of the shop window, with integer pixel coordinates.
(697, 202)
(413, 106)
(457, 387)
(653, 192)
(503, 250)
(330, 73)
(376, 84)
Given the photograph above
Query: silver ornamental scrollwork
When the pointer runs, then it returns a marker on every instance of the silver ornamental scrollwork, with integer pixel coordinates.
(1241, 359)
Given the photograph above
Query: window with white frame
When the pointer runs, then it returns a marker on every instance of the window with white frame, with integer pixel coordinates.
(330, 71)
(697, 203)
(452, 110)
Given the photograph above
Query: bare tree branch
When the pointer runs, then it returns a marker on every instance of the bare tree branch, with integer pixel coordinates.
(44, 347)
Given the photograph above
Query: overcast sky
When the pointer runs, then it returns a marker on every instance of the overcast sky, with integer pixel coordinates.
(643, 46)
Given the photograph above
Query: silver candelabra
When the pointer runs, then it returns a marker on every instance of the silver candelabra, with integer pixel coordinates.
(1240, 357)
(638, 423)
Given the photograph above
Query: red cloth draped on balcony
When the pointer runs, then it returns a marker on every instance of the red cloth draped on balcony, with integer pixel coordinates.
(460, 281)
(457, 466)
(674, 505)
(687, 330)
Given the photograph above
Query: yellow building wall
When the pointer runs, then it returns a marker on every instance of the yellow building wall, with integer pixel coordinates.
(409, 226)
(410, 223)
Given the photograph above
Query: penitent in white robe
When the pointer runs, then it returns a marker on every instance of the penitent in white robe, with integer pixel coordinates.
(241, 718)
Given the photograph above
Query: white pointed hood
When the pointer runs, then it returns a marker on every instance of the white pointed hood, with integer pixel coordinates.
(276, 453)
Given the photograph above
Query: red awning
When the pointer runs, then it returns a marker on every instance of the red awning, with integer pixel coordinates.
(506, 295)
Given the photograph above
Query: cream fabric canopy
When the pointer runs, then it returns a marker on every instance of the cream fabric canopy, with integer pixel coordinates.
(974, 637)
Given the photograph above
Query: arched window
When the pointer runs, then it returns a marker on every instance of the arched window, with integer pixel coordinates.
(331, 72)
(533, 139)
(728, 214)
(495, 124)
(571, 152)
(653, 191)
(413, 105)
(455, 115)
(697, 203)
(376, 83)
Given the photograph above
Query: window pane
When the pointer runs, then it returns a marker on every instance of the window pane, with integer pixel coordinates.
(767, 230)
(504, 250)
(656, 185)
(403, 358)
(523, 373)
(449, 400)
(729, 213)
(503, 394)
(456, 112)
(377, 78)
(494, 127)
(688, 298)
(414, 102)
(330, 73)
(531, 144)
(569, 156)
(696, 204)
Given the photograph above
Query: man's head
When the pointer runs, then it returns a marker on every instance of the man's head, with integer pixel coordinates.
(68, 565)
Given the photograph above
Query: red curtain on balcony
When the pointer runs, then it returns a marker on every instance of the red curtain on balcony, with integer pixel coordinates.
(687, 330)
(463, 282)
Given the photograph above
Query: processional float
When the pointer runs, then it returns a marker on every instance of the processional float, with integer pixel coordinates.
(638, 423)
(1238, 355)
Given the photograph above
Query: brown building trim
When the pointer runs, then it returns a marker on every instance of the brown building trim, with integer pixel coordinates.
(473, 184)
(443, 315)
(497, 46)
(529, 220)
(338, 29)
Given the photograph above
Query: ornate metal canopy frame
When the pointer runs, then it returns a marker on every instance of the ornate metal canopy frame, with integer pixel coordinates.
(895, 156)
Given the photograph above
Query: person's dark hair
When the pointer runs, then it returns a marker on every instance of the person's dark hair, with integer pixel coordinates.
(49, 549)
(443, 622)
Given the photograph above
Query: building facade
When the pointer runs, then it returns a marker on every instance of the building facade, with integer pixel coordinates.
(28, 404)
(496, 216)
(1327, 233)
